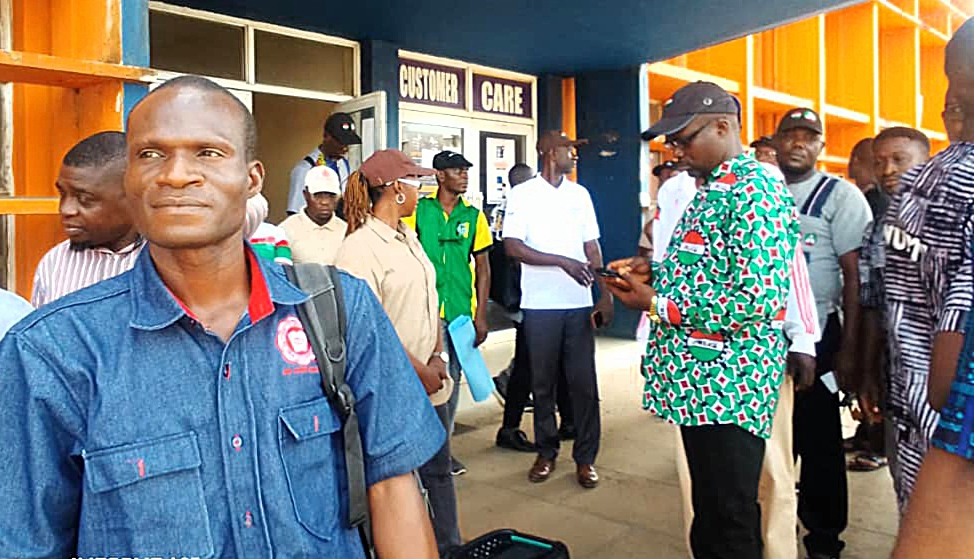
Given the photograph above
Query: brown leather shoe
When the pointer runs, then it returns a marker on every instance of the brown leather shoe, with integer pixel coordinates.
(587, 476)
(541, 470)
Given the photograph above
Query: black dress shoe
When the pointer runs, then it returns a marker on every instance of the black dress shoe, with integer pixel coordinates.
(567, 432)
(514, 439)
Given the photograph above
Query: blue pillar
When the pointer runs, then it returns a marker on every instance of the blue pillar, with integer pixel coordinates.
(380, 72)
(608, 106)
(135, 47)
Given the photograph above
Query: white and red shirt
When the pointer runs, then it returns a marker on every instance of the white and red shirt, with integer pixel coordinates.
(64, 270)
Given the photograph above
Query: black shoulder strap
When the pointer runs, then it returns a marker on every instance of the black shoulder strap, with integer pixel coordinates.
(815, 202)
(324, 320)
(310, 161)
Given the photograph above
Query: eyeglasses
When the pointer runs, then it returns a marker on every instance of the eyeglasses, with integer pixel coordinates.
(684, 143)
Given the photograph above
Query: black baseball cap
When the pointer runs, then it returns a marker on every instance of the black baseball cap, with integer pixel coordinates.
(689, 101)
(801, 118)
(450, 160)
(342, 128)
(658, 170)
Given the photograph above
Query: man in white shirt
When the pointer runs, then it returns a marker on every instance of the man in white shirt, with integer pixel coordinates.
(102, 240)
(550, 227)
(338, 134)
(776, 491)
(316, 233)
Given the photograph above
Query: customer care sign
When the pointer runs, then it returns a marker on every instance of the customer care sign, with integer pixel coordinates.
(502, 96)
(465, 88)
(432, 84)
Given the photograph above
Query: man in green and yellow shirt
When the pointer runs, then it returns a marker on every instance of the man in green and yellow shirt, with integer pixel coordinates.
(456, 238)
(716, 355)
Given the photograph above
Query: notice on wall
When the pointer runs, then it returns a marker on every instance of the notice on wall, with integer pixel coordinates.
(502, 96)
(432, 84)
(501, 157)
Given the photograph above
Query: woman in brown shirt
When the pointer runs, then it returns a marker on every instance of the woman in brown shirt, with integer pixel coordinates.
(387, 254)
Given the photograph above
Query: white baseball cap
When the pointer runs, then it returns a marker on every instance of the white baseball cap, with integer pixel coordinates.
(322, 178)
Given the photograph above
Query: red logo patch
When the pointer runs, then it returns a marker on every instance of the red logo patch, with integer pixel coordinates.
(293, 343)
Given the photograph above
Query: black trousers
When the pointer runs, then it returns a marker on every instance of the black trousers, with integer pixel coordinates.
(564, 340)
(823, 500)
(519, 386)
(725, 467)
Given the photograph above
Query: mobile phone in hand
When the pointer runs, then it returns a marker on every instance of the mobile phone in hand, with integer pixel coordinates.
(607, 273)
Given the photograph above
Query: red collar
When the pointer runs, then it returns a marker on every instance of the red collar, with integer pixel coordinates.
(260, 305)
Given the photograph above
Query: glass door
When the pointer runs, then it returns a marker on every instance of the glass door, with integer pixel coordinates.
(369, 114)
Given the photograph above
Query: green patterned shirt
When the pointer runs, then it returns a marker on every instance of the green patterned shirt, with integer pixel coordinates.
(718, 356)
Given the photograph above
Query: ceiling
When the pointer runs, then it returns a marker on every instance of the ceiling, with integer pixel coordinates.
(533, 36)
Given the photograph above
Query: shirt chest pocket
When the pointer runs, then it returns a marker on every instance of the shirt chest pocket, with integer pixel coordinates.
(310, 444)
(146, 498)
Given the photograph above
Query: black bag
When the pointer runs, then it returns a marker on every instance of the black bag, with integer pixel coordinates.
(510, 544)
(323, 318)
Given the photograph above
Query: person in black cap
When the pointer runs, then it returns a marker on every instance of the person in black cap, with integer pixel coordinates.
(834, 219)
(551, 228)
(338, 134)
(716, 357)
(665, 170)
(454, 233)
(764, 150)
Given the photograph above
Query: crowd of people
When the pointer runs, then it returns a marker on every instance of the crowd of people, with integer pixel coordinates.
(167, 385)
(879, 297)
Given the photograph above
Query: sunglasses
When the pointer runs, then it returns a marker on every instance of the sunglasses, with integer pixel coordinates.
(684, 143)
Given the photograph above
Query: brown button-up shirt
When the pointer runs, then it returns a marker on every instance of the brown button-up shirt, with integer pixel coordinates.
(393, 263)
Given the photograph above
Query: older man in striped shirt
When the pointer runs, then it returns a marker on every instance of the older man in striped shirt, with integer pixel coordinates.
(102, 240)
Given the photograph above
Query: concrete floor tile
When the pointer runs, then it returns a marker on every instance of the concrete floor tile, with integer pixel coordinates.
(638, 543)
(635, 511)
(489, 508)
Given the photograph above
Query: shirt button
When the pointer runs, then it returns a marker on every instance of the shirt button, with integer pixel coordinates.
(236, 442)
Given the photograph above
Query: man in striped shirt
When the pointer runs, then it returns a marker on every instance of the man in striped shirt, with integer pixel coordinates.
(938, 520)
(102, 241)
(928, 231)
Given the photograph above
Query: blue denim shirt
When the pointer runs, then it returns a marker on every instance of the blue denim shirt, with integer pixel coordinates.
(130, 431)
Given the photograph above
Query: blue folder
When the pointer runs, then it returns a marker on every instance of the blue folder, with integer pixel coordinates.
(463, 334)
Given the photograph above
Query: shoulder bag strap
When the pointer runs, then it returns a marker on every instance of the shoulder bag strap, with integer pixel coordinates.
(323, 317)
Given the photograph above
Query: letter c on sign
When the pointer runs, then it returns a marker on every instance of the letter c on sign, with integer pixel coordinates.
(403, 81)
(487, 95)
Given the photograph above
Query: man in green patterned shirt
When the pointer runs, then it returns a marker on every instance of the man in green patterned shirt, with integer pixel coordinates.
(716, 355)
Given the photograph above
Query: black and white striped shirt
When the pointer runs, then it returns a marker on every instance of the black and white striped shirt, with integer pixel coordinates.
(928, 232)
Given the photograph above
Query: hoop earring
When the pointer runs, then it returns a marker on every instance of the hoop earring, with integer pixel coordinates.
(400, 198)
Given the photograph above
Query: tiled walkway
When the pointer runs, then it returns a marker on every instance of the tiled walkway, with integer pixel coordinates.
(635, 511)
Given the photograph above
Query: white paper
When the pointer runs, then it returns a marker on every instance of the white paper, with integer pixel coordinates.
(828, 379)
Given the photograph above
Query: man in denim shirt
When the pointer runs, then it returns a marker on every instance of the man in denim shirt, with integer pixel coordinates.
(175, 410)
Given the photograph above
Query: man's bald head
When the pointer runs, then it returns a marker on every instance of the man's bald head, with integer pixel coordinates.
(203, 84)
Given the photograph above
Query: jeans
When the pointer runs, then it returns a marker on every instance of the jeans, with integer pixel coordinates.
(453, 369)
(438, 482)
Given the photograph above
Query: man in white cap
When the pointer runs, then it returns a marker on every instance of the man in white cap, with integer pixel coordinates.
(316, 233)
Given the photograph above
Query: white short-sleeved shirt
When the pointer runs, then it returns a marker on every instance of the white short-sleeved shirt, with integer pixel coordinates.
(554, 220)
(671, 202)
